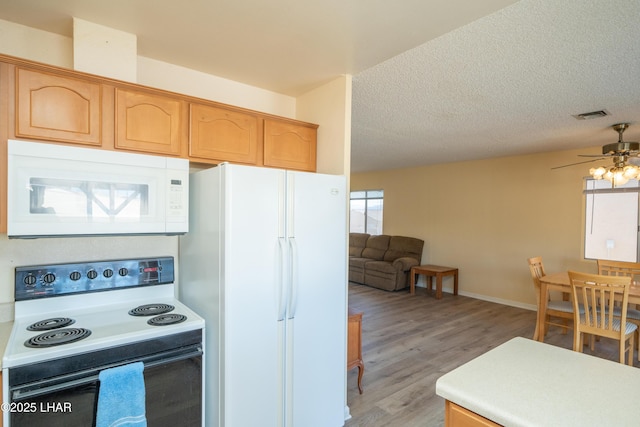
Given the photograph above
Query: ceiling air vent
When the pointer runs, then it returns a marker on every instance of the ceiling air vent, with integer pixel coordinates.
(591, 115)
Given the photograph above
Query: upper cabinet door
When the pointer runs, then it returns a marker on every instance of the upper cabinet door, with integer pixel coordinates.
(223, 135)
(146, 122)
(57, 108)
(289, 145)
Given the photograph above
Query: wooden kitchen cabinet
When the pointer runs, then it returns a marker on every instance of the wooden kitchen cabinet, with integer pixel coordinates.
(354, 345)
(53, 104)
(148, 122)
(290, 145)
(57, 108)
(222, 134)
(457, 416)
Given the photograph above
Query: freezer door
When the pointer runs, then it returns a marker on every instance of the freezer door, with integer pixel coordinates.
(253, 335)
(316, 317)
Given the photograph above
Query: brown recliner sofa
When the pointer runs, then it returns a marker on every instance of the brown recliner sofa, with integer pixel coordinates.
(383, 261)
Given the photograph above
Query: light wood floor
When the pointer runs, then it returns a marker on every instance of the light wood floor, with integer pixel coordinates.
(408, 342)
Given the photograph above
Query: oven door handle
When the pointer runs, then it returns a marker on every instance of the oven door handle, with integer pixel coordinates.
(149, 362)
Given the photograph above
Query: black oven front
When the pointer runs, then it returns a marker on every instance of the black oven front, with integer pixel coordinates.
(64, 392)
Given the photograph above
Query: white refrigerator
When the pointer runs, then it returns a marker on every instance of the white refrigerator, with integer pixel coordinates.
(264, 263)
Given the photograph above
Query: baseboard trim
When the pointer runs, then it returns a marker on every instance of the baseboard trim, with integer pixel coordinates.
(502, 301)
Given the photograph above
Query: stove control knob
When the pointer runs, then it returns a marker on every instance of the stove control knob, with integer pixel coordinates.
(107, 273)
(92, 274)
(75, 275)
(123, 271)
(29, 280)
(48, 279)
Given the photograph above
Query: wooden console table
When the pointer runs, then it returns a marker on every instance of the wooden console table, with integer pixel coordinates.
(439, 272)
(354, 345)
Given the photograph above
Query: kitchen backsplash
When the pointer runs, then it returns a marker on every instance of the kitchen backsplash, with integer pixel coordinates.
(6, 312)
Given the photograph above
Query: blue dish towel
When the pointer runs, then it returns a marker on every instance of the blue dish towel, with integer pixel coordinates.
(121, 399)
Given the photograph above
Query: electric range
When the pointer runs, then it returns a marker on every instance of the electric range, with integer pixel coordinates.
(74, 320)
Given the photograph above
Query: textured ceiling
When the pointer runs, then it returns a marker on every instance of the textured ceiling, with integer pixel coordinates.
(506, 84)
(434, 80)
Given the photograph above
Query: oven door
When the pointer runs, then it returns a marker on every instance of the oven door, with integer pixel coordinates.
(173, 386)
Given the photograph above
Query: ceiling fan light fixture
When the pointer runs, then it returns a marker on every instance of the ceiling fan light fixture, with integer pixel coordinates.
(621, 151)
(617, 175)
(597, 173)
(591, 115)
(630, 171)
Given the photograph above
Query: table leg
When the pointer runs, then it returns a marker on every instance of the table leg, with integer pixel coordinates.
(412, 288)
(429, 282)
(439, 286)
(455, 282)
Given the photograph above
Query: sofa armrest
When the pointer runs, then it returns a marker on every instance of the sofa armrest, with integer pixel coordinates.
(405, 263)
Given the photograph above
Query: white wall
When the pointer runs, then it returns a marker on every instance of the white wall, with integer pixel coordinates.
(330, 104)
(195, 83)
(36, 45)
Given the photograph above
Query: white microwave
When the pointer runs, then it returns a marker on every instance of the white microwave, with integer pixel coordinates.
(57, 190)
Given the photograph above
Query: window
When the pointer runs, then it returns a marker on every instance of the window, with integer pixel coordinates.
(611, 226)
(366, 211)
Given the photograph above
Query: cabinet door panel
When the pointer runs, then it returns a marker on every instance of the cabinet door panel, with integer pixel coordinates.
(457, 416)
(57, 108)
(146, 122)
(289, 145)
(224, 135)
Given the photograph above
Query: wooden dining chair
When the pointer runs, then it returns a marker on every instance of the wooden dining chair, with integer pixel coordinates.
(619, 268)
(556, 309)
(596, 294)
(626, 269)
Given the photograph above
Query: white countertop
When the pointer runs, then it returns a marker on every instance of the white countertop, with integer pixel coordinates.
(5, 331)
(528, 383)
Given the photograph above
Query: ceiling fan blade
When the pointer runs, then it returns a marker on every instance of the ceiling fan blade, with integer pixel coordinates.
(579, 163)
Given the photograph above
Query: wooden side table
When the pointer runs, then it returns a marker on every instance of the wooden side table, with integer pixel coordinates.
(439, 272)
(354, 345)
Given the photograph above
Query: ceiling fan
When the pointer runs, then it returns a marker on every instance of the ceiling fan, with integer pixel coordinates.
(622, 152)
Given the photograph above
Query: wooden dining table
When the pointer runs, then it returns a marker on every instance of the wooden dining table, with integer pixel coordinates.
(560, 282)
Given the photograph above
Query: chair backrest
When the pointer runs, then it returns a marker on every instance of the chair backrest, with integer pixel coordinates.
(619, 268)
(536, 267)
(597, 294)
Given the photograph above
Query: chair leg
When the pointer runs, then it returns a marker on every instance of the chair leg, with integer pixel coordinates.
(577, 341)
(631, 348)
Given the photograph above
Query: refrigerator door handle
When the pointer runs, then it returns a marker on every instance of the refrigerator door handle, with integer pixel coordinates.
(293, 279)
(280, 281)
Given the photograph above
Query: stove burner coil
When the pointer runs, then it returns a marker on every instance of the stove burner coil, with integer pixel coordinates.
(167, 319)
(151, 309)
(57, 337)
(48, 324)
